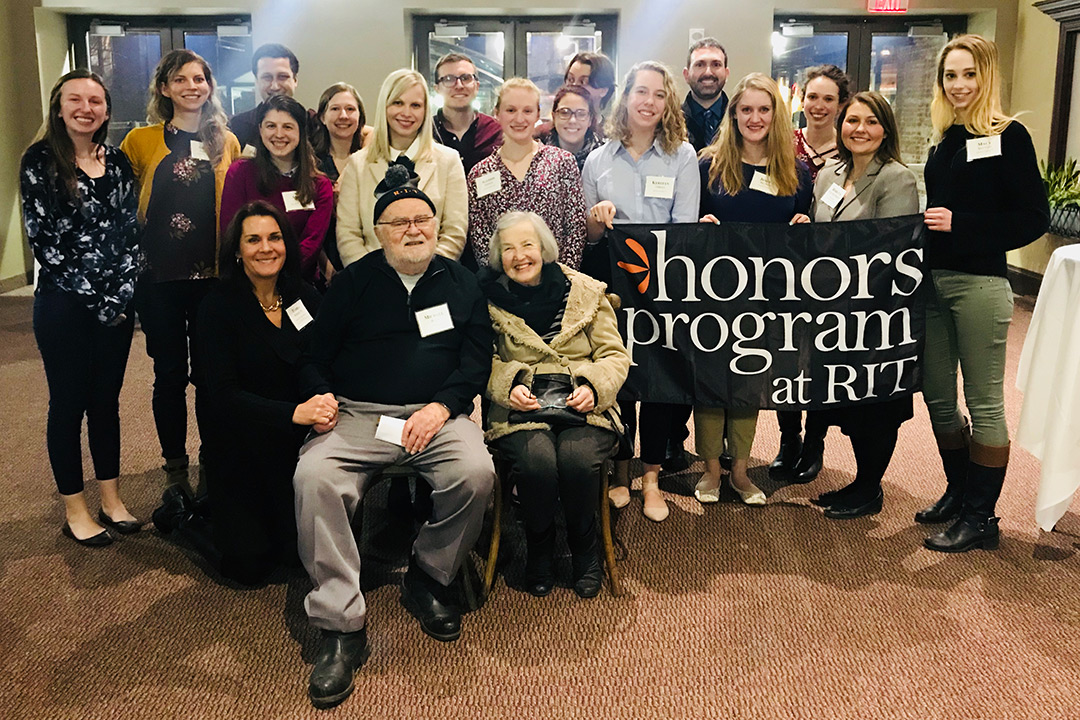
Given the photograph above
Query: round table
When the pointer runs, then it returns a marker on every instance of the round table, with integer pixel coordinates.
(1049, 377)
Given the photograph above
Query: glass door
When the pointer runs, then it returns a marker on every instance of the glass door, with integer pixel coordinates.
(125, 50)
(534, 47)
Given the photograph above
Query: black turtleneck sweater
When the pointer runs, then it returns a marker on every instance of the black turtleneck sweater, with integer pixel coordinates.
(998, 203)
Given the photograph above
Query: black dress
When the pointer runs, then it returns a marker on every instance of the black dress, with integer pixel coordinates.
(250, 370)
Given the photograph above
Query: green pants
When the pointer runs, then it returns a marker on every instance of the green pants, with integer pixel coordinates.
(967, 323)
(709, 431)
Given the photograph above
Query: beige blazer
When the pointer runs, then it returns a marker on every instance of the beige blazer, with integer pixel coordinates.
(442, 178)
(887, 190)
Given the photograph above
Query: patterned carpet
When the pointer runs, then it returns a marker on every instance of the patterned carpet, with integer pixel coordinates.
(731, 611)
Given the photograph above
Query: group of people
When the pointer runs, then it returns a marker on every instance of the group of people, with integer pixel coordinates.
(340, 293)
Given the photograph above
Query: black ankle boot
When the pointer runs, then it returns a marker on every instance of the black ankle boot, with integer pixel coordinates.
(539, 562)
(965, 534)
(810, 461)
(788, 455)
(585, 560)
(340, 656)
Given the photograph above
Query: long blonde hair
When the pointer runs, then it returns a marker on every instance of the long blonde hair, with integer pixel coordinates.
(726, 149)
(986, 117)
(672, 126)
(393, 87)
(212, 121)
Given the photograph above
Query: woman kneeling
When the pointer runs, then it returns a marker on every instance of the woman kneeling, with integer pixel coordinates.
(559, 362)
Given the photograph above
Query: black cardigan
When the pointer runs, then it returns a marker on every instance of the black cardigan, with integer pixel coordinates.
(998, 203)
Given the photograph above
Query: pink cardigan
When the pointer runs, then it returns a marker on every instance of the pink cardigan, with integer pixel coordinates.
(310, 226)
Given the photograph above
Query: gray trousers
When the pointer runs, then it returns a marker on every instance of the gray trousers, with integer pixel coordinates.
(331, 478)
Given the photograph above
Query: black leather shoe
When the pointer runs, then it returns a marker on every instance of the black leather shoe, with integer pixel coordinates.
(588, 575)
(826, 499)
(966, 534)
(809, 464)
(945, 509)
(124, 527)
(850, 512)
(788, 455)
(102, 539)
(677, 461)
(426, 603)
(539, 573)
(340, 656)
(175, 505)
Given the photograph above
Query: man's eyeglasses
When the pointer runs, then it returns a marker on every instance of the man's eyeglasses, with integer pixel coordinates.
(448, 81)
(400, 225)
(566, 113)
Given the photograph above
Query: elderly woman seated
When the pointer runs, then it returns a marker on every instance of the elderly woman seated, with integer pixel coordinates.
(559, 362)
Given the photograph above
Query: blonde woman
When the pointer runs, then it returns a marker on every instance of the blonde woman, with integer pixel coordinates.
(984, 196)
(402, 134)
(645, 173)
(524, 174)
(180, 162)
(748, 174)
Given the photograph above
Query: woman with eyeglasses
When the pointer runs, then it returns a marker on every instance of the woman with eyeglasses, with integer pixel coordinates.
(403, 135)
(285, 174)
(576, 125)
(180, 161)
(79, 203)
(524, 174)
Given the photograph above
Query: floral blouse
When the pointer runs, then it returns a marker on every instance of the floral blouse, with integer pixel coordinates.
(181, 220)
(551, 189)
(87, 246)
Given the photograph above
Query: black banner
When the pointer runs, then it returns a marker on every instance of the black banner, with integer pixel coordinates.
(773, 316)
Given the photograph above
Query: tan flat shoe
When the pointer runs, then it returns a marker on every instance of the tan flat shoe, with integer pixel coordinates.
(619, 496)
(654, 506)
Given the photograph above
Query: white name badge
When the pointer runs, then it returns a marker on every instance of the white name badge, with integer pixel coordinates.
(833, 196)
(658, 186)
(292, 203)
(984, 147)
(435, 319)
(198, 152)
(488, 183)
(390, 429)
(763, 183)
(298, 315)
(248, 151)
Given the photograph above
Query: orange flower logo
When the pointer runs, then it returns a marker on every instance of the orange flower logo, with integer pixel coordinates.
(635, 269)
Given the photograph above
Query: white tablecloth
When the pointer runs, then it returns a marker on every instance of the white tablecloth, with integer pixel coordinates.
(1049, 377)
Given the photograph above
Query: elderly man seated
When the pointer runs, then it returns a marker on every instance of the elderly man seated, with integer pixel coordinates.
(403, 340)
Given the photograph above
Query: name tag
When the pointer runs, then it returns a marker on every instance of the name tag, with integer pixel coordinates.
(984, 147)
(763, 183)
(292, 203)
(833, 196)
(488, 183)
(434, 320)
(198, 152)
(658, 186)
(298, 315)
(390, 429)
(248, 151)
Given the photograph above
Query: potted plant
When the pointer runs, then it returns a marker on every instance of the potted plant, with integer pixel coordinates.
(1063, 191)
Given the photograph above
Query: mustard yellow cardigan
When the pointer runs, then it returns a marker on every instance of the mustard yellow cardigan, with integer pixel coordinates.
(145, 147)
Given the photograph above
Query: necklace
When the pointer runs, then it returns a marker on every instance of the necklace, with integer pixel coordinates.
(276, 305)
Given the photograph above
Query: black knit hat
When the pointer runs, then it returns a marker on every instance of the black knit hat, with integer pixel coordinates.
(399, 183)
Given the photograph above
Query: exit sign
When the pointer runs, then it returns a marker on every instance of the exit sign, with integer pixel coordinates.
(887, 6)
